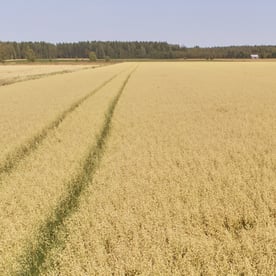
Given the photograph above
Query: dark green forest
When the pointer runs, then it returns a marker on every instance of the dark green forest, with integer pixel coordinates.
(127, 50)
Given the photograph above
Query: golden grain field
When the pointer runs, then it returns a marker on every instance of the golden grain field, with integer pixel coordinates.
(14, 73)
(157, 168)
(26, 108)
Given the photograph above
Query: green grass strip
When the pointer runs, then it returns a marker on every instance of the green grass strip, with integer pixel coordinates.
(48, 234)
(14, 158)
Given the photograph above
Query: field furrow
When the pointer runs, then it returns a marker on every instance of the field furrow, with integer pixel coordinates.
(27, 107)
(187, 182)
(35, 189)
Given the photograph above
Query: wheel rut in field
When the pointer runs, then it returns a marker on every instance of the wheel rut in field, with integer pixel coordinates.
(35, 257)
(39, 76)
(20, 153)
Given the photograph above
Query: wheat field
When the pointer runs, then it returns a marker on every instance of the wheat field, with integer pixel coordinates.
(14, 73)
(155, 168)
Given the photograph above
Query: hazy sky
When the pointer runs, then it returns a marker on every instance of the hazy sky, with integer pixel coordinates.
(186, 22)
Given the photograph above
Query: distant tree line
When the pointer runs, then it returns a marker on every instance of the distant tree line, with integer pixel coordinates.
(126, 50)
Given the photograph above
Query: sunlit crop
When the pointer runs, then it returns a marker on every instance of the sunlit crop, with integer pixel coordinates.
(168, 169)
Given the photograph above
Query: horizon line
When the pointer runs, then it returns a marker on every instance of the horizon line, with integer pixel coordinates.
(181, 45)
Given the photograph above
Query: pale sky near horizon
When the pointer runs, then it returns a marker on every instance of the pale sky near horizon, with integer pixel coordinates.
(186, 22)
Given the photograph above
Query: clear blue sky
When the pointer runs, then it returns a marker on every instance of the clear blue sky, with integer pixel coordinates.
(185, 22)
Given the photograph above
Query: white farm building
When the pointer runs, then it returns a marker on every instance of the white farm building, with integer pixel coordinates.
(254, 56)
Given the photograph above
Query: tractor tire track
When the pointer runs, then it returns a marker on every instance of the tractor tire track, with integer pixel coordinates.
(40, 76)
(36, 256)
(20, 153)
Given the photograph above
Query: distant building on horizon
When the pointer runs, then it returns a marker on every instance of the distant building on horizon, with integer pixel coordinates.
(254, 56)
